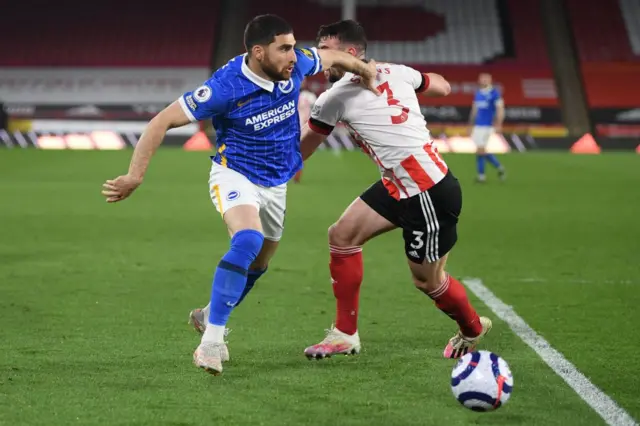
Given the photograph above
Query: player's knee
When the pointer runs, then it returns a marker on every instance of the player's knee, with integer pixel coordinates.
(259, 265)
(340, 236)
(421, 285)
(426, 283)
(248, 241)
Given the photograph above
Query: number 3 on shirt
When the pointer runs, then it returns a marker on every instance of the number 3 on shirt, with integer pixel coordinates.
(404, 115)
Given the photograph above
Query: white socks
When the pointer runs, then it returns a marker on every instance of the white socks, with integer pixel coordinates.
(205, 311)
(213, 334)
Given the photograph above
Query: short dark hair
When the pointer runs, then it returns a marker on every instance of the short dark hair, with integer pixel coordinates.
(263, 29)
(347, 31)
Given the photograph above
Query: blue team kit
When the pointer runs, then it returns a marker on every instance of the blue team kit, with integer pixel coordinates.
(256, 120)
(486, 105)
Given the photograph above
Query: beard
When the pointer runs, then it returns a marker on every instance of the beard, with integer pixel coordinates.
(272, 72)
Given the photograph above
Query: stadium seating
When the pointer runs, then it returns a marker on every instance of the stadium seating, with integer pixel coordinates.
(527, 31)
(382, 22)
(457, 32)
(631, 15)
(107, 33)
(472, 35)
(600, 32)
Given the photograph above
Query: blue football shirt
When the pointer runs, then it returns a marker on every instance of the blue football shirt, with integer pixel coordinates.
(486, 102)
(256, 120)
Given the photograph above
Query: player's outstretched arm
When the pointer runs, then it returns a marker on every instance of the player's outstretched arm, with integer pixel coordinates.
(437, 85)
(367, 70)
(310, 141)
(325, 114)
(121, 187)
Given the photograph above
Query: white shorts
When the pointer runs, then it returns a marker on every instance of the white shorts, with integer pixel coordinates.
(229, 188)
(481, 134)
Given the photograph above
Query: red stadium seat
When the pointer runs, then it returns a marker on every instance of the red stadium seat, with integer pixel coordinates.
(599, 31)
(527, 30)
(460, 32)
(107, 33)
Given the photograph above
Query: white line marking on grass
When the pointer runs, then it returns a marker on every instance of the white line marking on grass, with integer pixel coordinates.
(611, 413)
(573, 281)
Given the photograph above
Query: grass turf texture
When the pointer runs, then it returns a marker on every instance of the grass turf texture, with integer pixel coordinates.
(94, 297)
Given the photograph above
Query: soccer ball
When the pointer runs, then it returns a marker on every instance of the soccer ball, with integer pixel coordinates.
(481, 381)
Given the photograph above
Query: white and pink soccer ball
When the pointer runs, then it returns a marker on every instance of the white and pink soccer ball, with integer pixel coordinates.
(481, 381)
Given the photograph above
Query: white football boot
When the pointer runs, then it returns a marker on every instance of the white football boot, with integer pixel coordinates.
(335, 343)
(198, 319)
(208, 356)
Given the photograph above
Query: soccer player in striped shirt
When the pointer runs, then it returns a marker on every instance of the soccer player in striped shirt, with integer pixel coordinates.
(487, 115)
(416, 193)
(252, 101)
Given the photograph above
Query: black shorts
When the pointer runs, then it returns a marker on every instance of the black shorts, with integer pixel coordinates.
(428, 220)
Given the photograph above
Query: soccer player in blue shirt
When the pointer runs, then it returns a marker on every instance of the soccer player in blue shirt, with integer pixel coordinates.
(252, 101)
(487, 115)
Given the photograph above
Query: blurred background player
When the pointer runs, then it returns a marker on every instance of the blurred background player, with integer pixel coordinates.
(487, 116)
(417, 192)
(252, 102)
(305, 102)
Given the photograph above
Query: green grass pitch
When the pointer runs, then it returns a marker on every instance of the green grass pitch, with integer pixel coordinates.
(94, 298)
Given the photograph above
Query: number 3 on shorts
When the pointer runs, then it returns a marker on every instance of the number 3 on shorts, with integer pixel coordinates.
(418, 242)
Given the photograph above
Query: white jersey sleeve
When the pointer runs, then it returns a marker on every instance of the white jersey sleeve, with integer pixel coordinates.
(305, 103)
(411, 76)
(326, 112)
(389, 128)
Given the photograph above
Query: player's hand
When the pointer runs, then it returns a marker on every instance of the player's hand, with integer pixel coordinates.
(120, 188)
(497, 129)
(370, 76)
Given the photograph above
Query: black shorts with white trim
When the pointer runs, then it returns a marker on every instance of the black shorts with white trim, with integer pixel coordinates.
(428, 220)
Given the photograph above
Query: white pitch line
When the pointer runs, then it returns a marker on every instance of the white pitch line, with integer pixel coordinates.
(607, 408)
(574, 281)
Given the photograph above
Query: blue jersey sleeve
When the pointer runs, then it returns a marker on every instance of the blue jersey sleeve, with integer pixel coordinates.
(308, 61)
(206, 101)
(497, 97)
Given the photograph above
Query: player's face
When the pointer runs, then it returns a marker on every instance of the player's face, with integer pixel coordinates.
(332, 74)
(279, 58)
(484, 80)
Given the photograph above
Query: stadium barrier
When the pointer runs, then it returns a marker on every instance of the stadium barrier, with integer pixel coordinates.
(338, 141)
(48, 100)
(613, 95)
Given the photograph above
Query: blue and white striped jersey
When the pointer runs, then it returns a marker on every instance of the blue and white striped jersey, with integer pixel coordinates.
(256, 120)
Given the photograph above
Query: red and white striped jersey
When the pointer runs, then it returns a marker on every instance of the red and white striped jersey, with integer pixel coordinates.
(389, 128)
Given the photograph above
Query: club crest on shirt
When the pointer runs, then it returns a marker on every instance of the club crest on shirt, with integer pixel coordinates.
(286, 86)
